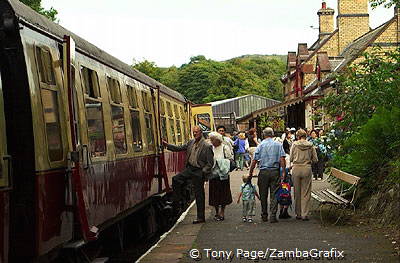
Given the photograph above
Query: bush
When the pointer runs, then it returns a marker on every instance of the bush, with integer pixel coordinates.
(373, 152)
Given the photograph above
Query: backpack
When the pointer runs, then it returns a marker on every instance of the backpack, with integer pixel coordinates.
(283, 195)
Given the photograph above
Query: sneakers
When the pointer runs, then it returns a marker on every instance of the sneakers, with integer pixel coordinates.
(250, 220)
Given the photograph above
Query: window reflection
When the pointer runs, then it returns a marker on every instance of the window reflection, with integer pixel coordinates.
(95, 124)
(172, 128)
(52, 122)
(149, 128)
(136, 132)
(118, 129)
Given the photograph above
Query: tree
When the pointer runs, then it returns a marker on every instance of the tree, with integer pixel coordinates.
(149, 68)
(363, 88)
(203, 80)
(386, 3)
(36, 5)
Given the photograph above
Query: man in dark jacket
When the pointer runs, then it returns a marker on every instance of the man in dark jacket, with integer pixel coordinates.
(199, 162)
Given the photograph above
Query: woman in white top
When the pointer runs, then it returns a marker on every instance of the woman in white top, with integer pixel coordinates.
(219, 186)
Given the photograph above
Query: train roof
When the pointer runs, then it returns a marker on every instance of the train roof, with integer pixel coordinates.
(30, 17)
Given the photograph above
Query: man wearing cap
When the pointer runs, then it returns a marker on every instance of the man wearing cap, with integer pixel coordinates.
(271, 156)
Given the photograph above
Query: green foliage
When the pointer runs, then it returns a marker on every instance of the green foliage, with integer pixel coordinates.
(373, 152)
(274, 122)
(203, 80)
(385, 3)
(363, 88)
(367, 99)
(36, 5)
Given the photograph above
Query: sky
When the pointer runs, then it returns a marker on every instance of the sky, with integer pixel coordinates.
(169, 32)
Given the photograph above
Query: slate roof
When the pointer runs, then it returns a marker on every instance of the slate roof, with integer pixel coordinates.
(355, 49)
(323, 61)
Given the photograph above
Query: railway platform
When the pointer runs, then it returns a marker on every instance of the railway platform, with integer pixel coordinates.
(232, 240)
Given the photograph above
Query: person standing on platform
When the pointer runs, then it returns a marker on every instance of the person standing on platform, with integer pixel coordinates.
(219, 186)
(242, 146)
(248, 192)
(221, 130)
(302, 155)
(253, 142)
(199, 162)
(271, 156)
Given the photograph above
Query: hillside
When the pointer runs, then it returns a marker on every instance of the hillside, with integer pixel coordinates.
(204, 80)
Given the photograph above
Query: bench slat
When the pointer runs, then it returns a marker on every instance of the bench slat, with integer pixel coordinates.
(334, 196)
(317, 197)
(349, 178)
(326, 198)
(337, 196)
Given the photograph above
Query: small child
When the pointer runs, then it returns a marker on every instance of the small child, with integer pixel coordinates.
(248, 191)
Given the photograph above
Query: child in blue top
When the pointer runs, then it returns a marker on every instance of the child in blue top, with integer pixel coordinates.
(248, 192)
(242, 145)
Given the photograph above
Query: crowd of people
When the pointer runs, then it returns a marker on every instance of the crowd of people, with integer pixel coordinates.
(291, 159)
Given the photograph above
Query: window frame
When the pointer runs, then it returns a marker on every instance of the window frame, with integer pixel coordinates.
(85, 125)
(56, 87)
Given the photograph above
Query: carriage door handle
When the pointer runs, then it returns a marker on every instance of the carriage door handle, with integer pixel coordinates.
(8, 158)
(85, 156)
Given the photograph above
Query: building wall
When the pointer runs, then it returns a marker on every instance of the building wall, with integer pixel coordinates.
(332, 45)
(326, 20)
(389, 35)
(387, 42)
(353, 6)
(352, 21)
(309, 113)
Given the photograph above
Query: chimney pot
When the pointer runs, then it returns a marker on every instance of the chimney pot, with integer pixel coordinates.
(323, 5)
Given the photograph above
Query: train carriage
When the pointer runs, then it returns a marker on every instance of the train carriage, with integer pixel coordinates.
(84, 131)
(5, 185)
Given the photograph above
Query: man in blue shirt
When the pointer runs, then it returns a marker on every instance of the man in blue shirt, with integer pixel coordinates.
(271, 156)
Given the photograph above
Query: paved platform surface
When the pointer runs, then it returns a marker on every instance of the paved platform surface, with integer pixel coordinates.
(228, 241)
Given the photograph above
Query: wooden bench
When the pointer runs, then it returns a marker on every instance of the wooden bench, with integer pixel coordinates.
(329, 197)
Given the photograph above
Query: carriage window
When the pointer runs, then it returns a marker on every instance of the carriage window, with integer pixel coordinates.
(94, 115)
(178, 130)
(132, 96)
(172, 129)
(169, 109)
(183, 116)
(52, 122)
(162, 107)
(49, 96)
(45, 66)
(118, 129)
(149, 128)
(115, 91)
(176, 112)
(164, 134)
(146, 101)
(136, 132)
(184, 132)
(90, 82)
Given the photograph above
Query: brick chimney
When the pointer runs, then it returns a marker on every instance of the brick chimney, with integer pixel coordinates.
(326, 20)
(352, 21)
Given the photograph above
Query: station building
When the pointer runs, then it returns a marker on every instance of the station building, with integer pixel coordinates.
(233, 113)
(310, 70)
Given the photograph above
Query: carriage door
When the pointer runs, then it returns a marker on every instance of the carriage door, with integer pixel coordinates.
(5, 185)
(78, 157)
